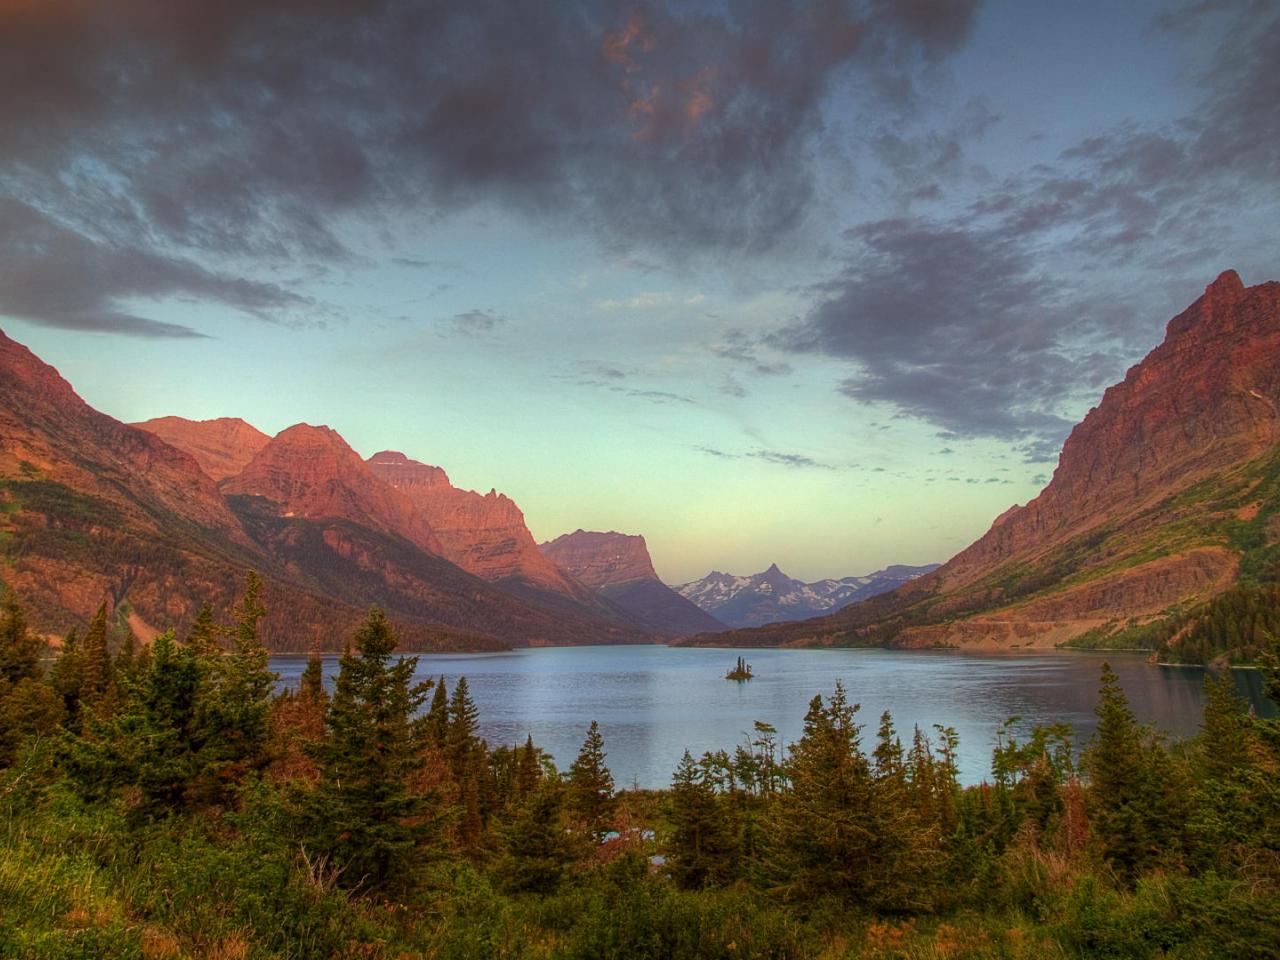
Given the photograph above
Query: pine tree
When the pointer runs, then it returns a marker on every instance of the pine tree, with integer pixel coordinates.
(234, 716)
(700, 849)
(528, 769)
(363, 813)
(1137, 794)
(153, 745)
(28, 707)
(460, 737)
(311, 684)
(591, 799)
(204, 633)
(437, 721)
(823, 831)
(20, 649)
(97, 682)
(538, 847)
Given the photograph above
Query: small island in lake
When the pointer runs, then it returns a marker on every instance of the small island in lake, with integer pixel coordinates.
(741, 672)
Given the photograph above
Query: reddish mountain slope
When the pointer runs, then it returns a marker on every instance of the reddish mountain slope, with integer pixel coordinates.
(222, 447)
(311, 473)
(1166, 494)
(485, 535)
(618, 566)
(92, 509)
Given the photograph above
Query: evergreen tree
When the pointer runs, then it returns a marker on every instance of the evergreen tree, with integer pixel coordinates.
(539, 849)
(824, 832)
(1134, 787)
(591, 799)
(528, 770)
(234, 714)
(701, 846)
(311, 684)
(97, 681)
(363, 812)
(154, 745)
(460, 736)
(437, 721)
(28, 707)
(204, 633)
(20, 649)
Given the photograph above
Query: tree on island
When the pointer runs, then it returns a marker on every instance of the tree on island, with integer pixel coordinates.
(740, 672)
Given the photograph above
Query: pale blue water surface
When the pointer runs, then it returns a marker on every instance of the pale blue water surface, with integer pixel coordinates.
(654, 702)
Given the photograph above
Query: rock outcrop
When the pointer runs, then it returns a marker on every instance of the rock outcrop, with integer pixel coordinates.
(619, 568)
(223, 447)
(601, 559)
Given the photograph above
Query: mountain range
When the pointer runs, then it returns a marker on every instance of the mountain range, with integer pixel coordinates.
(1166, 495)
(159, 517)
(772, 596)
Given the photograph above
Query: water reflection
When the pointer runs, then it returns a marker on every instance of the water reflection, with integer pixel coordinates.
(654, 702)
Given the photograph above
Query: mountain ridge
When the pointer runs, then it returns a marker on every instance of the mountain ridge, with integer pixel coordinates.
(1164, 496)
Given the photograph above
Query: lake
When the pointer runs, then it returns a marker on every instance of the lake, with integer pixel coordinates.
(653, 702)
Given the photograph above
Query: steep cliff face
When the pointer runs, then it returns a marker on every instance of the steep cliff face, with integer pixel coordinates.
(1165, 494)
(484, 534)
(601, 559)
(1203, 401)
(311, 473)
(223, 447)
(618, 567)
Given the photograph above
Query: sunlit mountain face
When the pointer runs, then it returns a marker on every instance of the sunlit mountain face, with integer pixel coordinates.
(821, 286)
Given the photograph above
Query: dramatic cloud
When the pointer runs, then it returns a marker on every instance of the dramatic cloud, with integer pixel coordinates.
(980, 322)
(57, 277)
(247, 127)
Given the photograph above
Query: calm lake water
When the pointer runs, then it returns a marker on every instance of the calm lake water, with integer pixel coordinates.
(653, 702)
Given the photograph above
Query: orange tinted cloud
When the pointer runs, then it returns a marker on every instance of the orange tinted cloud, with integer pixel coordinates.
(616, 45)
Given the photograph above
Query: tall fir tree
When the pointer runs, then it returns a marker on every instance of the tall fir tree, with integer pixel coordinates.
(363, 812)
(591, 799)
(28, 706)
(437, 721)
(235, 707)
(97, 680)
(701, 845)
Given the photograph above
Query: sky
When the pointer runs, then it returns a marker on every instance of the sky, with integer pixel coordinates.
(823, 284)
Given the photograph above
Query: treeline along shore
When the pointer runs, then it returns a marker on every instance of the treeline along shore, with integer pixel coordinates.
(163, 801)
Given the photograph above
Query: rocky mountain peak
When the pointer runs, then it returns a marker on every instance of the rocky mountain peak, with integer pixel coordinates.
(222, 446)
(310, 471)
(601, 558)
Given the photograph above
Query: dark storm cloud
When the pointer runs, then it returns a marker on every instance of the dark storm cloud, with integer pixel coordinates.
(969, 323)
(54, 276)
(249, 128)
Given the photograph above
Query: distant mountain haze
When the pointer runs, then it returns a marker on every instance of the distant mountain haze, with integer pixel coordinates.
(772, 596)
